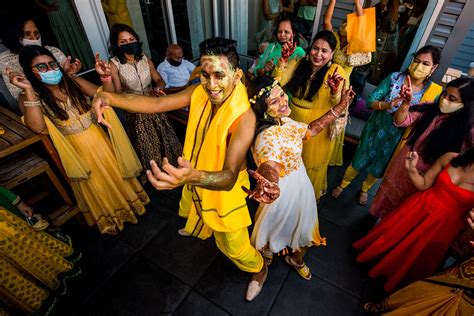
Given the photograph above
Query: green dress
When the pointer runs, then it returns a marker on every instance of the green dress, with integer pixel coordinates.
(380, 136)
(273, 52)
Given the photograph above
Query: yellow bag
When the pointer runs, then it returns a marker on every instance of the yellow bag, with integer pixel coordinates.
(361, 32)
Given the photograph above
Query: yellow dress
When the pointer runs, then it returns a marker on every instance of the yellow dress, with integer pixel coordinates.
(104, 196)
(30, 264)
(318, 150)
(340, 58)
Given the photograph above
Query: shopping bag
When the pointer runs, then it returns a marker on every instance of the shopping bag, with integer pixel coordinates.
(361, 32)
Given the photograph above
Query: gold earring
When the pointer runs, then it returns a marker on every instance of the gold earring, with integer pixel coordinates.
(265, 116)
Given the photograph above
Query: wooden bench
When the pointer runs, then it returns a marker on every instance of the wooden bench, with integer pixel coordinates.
(19, 168)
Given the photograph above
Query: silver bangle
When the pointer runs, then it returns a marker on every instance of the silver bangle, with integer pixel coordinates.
(32, 104)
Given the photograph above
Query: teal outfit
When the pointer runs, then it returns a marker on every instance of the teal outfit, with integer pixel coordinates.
(273, 52)
(380, 136)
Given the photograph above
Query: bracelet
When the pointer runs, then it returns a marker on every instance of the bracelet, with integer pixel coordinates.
(16, 201)
(106, 78)
(379, 106)
(334, 113)
(32, 104)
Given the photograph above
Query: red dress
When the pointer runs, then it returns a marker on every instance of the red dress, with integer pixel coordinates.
(410, 243)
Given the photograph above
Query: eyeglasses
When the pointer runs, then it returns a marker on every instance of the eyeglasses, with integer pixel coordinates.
(43, 67)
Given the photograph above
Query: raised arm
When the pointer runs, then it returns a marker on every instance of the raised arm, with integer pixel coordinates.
(29, 103)
(141, 103)
(358, 8)
(327, 24)
(241, 138)
(423, 182)
(316, 126)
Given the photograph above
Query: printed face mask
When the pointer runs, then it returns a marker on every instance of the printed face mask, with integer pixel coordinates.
(419, 71)
(51, 77)
(446, 106)
(28, 42)
(130, 48)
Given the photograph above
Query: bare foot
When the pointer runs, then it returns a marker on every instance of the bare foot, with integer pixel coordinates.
(337, 192)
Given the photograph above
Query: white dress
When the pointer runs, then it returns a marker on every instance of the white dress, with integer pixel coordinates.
(292, 219)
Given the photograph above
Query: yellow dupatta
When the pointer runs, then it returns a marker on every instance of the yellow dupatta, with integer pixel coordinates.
(76, 168)
(206, 147)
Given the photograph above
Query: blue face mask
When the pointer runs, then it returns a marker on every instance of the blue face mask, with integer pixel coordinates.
(51, 77)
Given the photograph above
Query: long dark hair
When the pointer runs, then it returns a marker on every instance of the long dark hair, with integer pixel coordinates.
(13, 32)
(285, 17)
(453, 131)
(464, 159)
(114, 48)
(260, 105)
(78, 100)
(298, 82)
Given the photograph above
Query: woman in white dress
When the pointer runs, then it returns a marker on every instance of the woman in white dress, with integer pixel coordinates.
(290, 223)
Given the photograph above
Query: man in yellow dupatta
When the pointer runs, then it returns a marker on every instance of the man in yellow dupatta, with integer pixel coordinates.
(220, 131)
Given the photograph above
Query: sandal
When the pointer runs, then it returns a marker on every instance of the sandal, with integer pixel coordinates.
(267, 255)
(303, 270)
(337, 192)
(363, 198)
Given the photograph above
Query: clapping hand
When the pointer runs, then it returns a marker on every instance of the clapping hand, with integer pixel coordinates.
(265, 192)
(334, 81)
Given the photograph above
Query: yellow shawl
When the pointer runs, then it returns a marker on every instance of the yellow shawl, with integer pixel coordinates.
(206, 146)
(75, 168)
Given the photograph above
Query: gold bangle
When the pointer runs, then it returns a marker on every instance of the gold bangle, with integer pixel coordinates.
(334, 113)
(379, 106)
(32, 104)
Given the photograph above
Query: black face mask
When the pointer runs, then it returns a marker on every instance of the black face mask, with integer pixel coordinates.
(130, 48)
(174, 62)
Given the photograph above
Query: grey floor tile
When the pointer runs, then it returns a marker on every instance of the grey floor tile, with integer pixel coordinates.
(225, 285)
(196, 305)
(314, 297)
(139, 288)
(185, 257)
(149, 225)
(336, 263)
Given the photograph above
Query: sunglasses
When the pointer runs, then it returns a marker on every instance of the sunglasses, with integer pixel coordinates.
(44, 67)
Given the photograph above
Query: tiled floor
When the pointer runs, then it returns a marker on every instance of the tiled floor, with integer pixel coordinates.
(149, 269)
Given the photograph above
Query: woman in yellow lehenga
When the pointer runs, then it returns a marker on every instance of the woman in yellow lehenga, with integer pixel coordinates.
(33, 264)
(102, 170)
(315, 85)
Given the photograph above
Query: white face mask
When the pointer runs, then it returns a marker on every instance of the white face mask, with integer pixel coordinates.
(28, 42)
(446, 106)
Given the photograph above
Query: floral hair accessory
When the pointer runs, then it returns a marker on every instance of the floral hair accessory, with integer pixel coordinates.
(263, 91)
